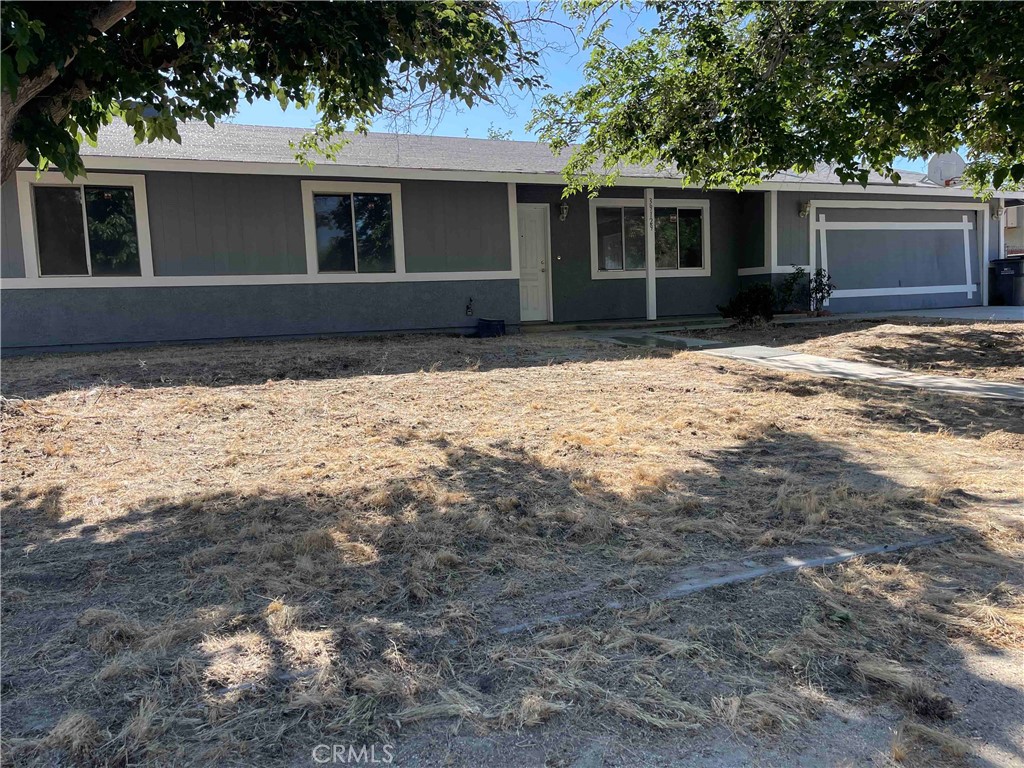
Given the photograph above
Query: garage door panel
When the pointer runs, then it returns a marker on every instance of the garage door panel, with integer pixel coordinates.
(902, 302)
(905, 258)
(870, 259)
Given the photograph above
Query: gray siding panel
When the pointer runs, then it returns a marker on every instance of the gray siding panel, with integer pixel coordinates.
(751, 226)
(578, 297)
(76, 316)
(224, 224)
(12, 257)
(453, 226)
(862, 259)
(892, 303)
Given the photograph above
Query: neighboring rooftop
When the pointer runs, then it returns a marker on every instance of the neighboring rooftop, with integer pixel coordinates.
(230, 142)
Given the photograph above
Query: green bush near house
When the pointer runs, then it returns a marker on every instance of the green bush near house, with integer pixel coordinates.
(787, 291)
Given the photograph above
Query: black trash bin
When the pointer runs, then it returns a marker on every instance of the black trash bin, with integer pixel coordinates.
(1006, 281)
(487, 328)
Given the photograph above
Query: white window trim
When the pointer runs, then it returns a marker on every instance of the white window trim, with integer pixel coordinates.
(704, 206)
(817, 223)
(317, 187)
(26, 181)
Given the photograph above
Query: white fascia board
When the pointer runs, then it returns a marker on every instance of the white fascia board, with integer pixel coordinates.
(136, 164)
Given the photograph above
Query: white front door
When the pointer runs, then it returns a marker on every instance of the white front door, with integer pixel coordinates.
(534, 261)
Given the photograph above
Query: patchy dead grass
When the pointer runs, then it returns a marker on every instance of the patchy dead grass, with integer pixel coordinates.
(945, 347)
(248, 548)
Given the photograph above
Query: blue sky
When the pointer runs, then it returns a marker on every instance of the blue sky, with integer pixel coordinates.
(563, 63)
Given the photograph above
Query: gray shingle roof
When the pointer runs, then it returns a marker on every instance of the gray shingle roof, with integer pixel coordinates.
(263, 144)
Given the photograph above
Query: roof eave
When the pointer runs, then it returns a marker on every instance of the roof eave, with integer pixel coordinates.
(292, 168)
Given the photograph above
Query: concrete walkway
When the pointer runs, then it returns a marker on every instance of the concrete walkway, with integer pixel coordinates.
(783, 359)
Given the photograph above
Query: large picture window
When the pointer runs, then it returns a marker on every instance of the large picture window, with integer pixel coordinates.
(681, 233)
(678, 238)
(354, 233)
(86, 230)
(353, 228)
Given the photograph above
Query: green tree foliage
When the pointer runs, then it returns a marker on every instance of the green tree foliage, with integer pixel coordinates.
(734, 91)
(69, 68)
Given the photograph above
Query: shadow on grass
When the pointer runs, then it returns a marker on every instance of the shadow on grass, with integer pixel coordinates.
(227, 627)
(906, 409)
(934, 346)
(241, 363)
(981, 348)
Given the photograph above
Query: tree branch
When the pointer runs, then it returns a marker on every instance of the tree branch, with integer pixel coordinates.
(32, 87)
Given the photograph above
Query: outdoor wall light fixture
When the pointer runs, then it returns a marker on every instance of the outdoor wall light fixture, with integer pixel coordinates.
(563, 211)
(805, 209)
(997, 213)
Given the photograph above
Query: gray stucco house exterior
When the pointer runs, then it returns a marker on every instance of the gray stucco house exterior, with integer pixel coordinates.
(227, 236)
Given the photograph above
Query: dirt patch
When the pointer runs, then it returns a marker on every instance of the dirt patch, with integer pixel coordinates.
(236, 552)
(971, 350)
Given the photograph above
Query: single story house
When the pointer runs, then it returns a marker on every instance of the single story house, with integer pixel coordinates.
(227, 236)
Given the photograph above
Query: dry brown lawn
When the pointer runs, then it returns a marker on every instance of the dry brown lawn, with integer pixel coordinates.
(946, 347)
(231, 553)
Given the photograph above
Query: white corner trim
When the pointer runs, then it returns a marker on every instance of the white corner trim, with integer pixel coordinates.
(26, 181)
(824, 248)
(513, 230)
(311, 187)
(967, 253)
(638, 202)
(851, 293)
(650, 266)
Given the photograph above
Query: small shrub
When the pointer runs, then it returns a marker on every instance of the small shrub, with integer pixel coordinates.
(821, 288)
(756, 302)
(787, 291)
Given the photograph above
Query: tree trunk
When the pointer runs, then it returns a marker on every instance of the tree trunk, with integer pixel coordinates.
(31, 90)
(12, 154)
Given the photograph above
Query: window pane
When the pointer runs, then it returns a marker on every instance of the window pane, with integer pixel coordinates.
(334, 248)
(609, 238)
(634, 222)
(113, 240)
(666, 238)
(60, 230)
(691, 232)
(375, 233)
